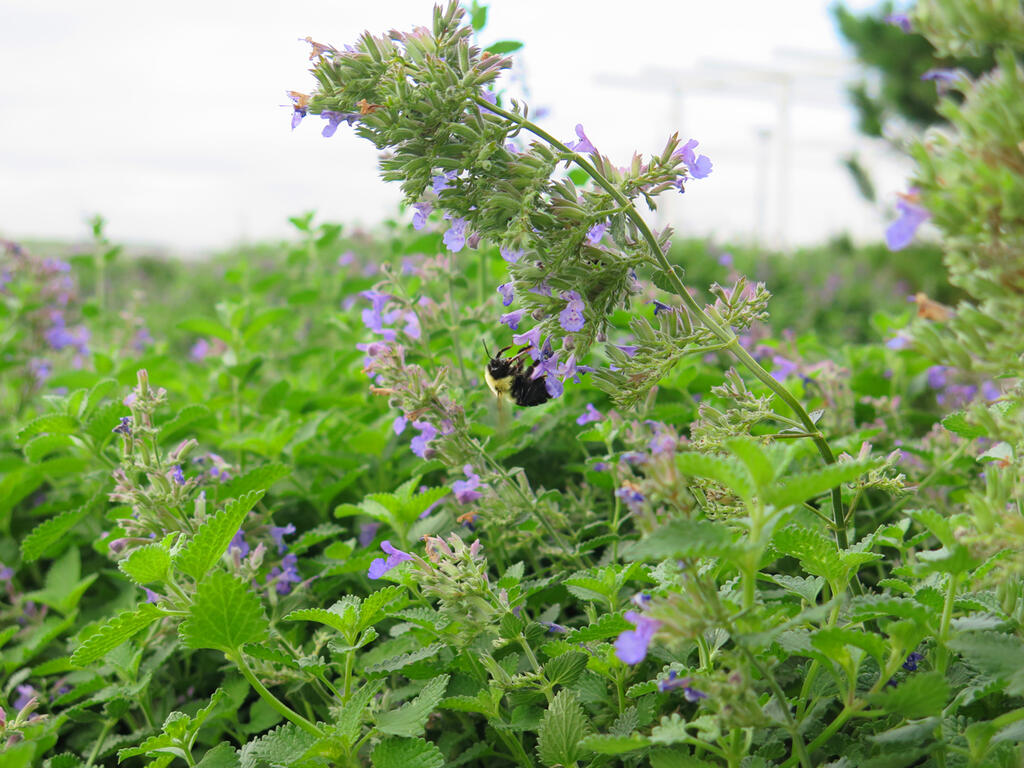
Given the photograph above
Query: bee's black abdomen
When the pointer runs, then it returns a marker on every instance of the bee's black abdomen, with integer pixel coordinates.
(526, 391)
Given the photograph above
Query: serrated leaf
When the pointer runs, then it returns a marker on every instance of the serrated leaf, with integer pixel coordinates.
(348, 726)
(260, 478)
(51, 423)
(41, 446)
(283, 746)
(373, 607)
(401, 661)
(565, 668)
(117, 630)
(187, 416)
(411, 718)
(205, 548)
(809, 546)
(99, 390)
(485, 702)
(725, 470)
(608, 744)
(48, 533)
(805, 486)
(608, 625)
(221, 756)
(958, 424)
(314, 536)
(921, 695)
(682, 539)
(994, 653)
(562, 729)
(101, 425)
(224, 615)
(336, 620)
(146, 564)
(754, 459)
(407, 753)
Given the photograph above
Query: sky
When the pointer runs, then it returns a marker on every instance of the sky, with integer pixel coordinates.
(168, 118)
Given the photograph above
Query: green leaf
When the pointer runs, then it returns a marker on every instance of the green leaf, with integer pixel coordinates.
(184, 418)
(99, 390)
(41, 446)
(285, 745)
(562, 729)
(753, 457)
(205, 548)
(998, 655)
(608, 625)
(114, 632)
(504, 46)
(810, 484)
(146, 564)
(221, 756)
(401, 661)
(680, 539)
(411, 718)
(725, 470)
(566, 668)
(407, 753)
(256, 479)
(50, 532)
(335, 618)
(810, 547)
(51, 423)
(374, 607)
(225, 615)
(958, 424)
(921, 695)
(204, 326)
(608, 744)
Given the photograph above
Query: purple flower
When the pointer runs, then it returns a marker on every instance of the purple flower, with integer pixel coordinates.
(901, 232)
(583, 145)
(673, 682)
(199, 350)
(631, 495)
(511, 256)
(395, 557)
(125, 427)
(512, 319)
(990, 391)
(911, 663)
(898, 342)
(300, 102)
(659, 307)
(627, 349)
(455, 237)
(177, 475)
(698, 166)
(421, 443)
(783, 368)
(531, 337)
(726, 260)
(571, 318)
(936, 376)
(399, 424)
(6, 573)
(596, 232)
(553, 628)
(151, 596)
(412, 325)
(591, 414)
(441, 182)
(285, 575)
(419, 219)
(367, 532)
(334, 119)
(507, 292)
(238, 542)
(942, 75)
(277, 533)
(465, 490)
(631, 645)
(901, 20)
(25, 694)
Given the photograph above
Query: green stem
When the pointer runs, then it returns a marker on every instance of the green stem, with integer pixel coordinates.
(275, 703)
(942, 653)
(98, 745)
(727, 337)
(456, 346)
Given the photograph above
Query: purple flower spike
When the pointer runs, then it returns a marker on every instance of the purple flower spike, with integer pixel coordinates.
(507, 292)
(631, 645)
(125, 427)
(151, 596)
(440, 182)
(395, 557)
(455, 237)
(583, 145)
(419, 219)
(177, 475)
(512, 319)
(421, 443)
(674, 682)
(239, 543)
(589, 415)
(571, 318)
(285, 574)
(937, 376)
(511, 256)
(25, 694)
(911, 663)
(901, 232)
(698, 166)
(465, 490)
(277, 533)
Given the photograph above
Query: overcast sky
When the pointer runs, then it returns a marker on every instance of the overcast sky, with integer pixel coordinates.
(167, 119)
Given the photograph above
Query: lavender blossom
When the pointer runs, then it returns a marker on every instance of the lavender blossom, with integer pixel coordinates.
(419, 219)
(571, 318)
(367, 533)
(440, 182)
(510, 255)
(465, 490)
(395, 557)
(507, 292)
(583, 145)
(239, 544)
(596, 232)
(512, 319)
(591, 414)
(124, 428)
(698, 166)
(277, 533)
(631, 645)
(900, 233)
(421, 443)
(455, 237)
(285, 575)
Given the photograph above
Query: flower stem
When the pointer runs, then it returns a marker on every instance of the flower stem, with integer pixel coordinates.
(275, 703)
(727, 337)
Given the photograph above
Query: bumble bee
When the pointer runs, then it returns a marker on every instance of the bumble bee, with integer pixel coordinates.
(507, 377)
